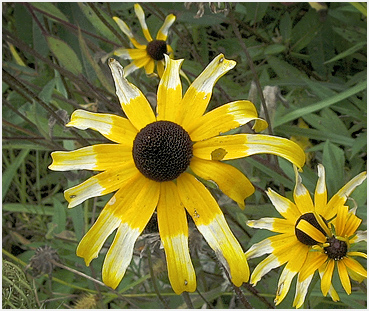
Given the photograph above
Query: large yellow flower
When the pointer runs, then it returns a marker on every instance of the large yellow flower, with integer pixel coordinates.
(154, 164)
(304, 226)
(146, 55)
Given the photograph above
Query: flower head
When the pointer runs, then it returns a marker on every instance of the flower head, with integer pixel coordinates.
(304, 227)
(146, 55)
(154, 164)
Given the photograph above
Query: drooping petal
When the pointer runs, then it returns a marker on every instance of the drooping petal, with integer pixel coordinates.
(260, 248)
(210, 221)
(134, 216)
(134, 103)
(100, 184)
(301, 291)
(131, 54)
(170, 91)
(344, 277)
(225, 118)
(163, 31)
(284, 284)
(129, 69)
(229, 147)
(284, 206)
(93, 240)
(341, 196)
(311, 231)
(352, 223)
(113, 127)
(229, 179)
(198, 94)
(160, 68)
(173, 229)
(326, 281)
(141, 18)
(264, 267)
(302, 196)
(320, 196)
(340, 220)
(127, 31)
(97, 157)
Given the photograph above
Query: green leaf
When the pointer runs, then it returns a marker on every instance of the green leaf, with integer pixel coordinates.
(50, 9)
(65, 54)
(59, 216)
(285, 27)
(11, 171)
(305, 30)
(333, 161)
(346, 53)
(293, 115)
(274, 49)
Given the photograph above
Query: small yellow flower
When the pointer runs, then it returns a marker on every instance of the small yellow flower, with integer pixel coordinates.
(154, 164)
(335, 252)
(304, 227)
(146, 55)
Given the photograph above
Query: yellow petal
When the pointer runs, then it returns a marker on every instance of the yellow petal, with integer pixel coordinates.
(243, 145)
(123, 26)
(314, 260)
(301, 291)
(355, 266)
(229, 179)
(210, 221)
(173, 230)
(97, 157)
(259, 249)
(284, 206)
(170, 91)
(273, 224)
(133, 102)
(113, 127)
(302, 196)
(264, 267)
(141, 17)
(100, 184)
(341, 196)
(160, 68)
(284, 284)
(198, 94)
(92, 242)
(326, 281)
(131, 54)
(320, 196)
(134, 215)
(149, 67)
(311, 231)
(344, 277)
(225, 118)
(163, 31)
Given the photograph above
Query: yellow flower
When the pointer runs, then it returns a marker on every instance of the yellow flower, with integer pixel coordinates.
(154, 165)
(335, 252)
(304, 226)
(146, 55)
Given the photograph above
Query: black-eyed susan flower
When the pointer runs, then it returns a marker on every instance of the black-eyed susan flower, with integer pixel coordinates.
(335, 252)
(146, 55)
(154, 164)
(304, 226)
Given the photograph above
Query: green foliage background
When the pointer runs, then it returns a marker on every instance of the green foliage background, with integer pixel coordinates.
(54, 62)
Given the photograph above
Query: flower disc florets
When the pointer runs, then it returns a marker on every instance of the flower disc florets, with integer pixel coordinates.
(302, 236)
(337, 249)
(162, 151)
(156, 49)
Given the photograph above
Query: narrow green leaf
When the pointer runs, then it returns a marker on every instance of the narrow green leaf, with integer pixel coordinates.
(320, 105)
(65, 54)
(348, 52)
(59, 216)
(11, 171)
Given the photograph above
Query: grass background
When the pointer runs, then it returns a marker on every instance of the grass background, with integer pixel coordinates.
(309, 60)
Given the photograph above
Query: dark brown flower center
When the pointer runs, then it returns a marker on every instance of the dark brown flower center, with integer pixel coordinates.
(162, 151)
(302, 236)
(156, 49)
(337, 249)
